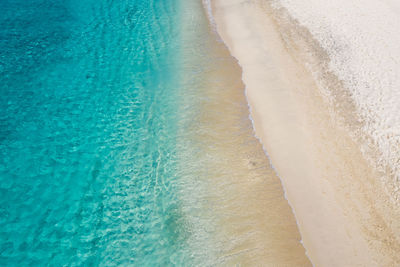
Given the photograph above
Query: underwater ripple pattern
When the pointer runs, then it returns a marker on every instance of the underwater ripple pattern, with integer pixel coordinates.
(88, 123)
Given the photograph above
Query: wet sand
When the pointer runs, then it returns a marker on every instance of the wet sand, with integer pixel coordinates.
(241, 204)
(344, 215)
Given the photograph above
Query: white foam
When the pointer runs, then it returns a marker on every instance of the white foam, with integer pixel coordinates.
(208, 8)
(362, 38)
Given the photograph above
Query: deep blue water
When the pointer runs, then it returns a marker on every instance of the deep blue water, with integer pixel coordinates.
(88, 129)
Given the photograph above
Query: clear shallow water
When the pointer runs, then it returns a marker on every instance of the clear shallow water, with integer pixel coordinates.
(125, 141)
(88, 121)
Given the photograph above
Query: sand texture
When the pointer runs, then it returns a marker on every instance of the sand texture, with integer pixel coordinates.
(346, 216)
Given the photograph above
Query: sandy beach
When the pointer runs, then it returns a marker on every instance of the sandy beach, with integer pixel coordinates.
(200, 133)
(345, 213)
(241, 210)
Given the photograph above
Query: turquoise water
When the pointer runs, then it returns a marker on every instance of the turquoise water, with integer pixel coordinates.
(88, 131)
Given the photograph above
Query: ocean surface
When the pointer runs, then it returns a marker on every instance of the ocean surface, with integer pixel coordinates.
(88, 128)
(125, 140)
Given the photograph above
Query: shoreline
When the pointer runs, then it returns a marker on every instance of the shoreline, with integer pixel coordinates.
(343, 212)
(233, 198)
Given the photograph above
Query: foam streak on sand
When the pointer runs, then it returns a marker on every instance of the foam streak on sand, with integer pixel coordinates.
(319, 115)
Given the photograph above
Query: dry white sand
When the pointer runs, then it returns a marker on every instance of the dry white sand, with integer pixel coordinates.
(362, 39)
(345, 216)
